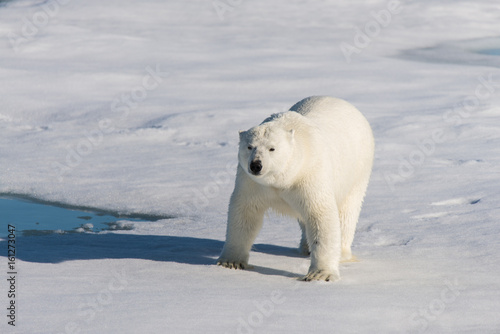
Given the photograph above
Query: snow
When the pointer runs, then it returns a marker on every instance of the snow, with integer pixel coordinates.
(134, 108)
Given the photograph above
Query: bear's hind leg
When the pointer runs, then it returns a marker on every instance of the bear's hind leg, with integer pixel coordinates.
(304, 246)
(349, 215)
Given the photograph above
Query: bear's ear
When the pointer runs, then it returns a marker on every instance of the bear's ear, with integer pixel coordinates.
(241, 133)
(292, 133)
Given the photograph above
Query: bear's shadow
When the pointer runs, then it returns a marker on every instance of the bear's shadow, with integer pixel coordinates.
(57, 248)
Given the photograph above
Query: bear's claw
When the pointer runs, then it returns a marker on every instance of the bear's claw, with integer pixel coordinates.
(231, 265)
(321, 275)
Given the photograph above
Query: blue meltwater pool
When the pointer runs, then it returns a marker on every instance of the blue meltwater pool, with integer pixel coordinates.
(31, 217)
(491, 52)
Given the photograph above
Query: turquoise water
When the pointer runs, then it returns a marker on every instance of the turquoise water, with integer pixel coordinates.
(38, 218)
(491, 52)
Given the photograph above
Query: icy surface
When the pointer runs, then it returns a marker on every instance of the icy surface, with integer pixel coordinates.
(135, 107)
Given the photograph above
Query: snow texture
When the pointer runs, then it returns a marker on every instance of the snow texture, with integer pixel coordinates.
(135, 107)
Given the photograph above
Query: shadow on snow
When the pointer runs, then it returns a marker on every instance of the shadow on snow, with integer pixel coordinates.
(56, 248)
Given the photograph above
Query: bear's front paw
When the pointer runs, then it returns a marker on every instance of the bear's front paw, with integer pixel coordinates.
(321, 275)
(231, 264)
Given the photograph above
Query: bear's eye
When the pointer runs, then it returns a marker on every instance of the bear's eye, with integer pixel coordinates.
(271, 149)
(249, 147)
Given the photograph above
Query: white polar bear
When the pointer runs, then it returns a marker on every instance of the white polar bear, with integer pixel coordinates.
(312, 163)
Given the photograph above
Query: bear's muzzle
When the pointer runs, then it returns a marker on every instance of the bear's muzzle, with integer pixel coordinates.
(256, 167)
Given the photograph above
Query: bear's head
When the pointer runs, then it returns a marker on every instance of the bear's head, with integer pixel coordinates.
(265, 153)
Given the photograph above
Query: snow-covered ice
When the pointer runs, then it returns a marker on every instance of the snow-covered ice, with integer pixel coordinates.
(135, 108)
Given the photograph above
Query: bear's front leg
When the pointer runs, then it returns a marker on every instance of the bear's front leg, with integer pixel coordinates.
(242, 229)
(324, 239)
(245, 219)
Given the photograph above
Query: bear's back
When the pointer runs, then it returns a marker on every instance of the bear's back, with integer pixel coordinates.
(344, 130)
(326, 106)
(332, 114)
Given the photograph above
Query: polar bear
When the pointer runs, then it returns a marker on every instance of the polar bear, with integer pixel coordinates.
(312, 163)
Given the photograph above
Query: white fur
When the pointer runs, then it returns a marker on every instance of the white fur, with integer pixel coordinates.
(318, 173)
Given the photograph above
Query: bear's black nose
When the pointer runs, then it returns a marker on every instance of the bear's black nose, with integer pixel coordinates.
(256, 167)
